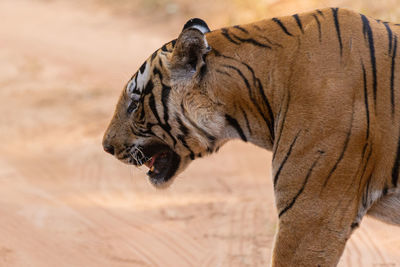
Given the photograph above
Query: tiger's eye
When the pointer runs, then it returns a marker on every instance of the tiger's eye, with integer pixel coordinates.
(132, 106)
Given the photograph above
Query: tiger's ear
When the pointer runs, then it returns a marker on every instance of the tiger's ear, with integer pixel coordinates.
(190, 49)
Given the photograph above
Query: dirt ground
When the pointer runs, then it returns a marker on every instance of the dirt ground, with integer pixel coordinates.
(64, 202)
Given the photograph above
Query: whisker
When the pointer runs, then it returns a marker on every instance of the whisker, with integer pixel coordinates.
(137, 155)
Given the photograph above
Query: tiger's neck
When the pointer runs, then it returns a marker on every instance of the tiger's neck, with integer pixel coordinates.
(247, 76)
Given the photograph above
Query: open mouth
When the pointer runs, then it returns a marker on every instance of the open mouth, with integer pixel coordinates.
(162, 162)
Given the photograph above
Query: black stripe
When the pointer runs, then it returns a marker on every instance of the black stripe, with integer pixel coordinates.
(240, 28)
(277, 21)
(360, 166)
(165, 127)
(258, 84)
(234, 123)
(148, 88)
(298, 21)
(156, 71)
(337, 26)
(241, 75)
(136, 89)
(369, 178)
(346, 143)
(173, 43)
(152, 104)
(185, 131)
(247, 121)
(182, 127)
(392, 74)
(396, 24)
(165, 99)
(395, 169)
(368, 34)
(251, 41)
(146, 133)
(301, 189)
(164, 48)
(366, 193)
(141, 69)
(183, 141)
(269, 41)
(285, 159)
(153, 56)
(138, 133)
(366, 98)
(363, 151)
(225, 33)
(390, 36)
(282, 126)
(223, 72)
(385, 190)
(354, 225)
(320, 12)
(365, 167)
(254, 101)
(319, 27)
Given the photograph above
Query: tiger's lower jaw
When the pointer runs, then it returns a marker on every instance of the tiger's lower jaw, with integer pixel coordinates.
(162, 168)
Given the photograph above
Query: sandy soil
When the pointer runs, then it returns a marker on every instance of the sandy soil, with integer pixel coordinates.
(64, 202)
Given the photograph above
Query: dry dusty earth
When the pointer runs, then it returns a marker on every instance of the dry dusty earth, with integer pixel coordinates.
(64, 202)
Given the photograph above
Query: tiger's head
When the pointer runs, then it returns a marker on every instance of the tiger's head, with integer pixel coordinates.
(166, 116)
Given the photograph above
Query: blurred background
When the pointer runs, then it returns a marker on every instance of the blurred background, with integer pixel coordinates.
(64, 202)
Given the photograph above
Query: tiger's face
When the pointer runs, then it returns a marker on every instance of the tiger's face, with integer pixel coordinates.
(165, 117)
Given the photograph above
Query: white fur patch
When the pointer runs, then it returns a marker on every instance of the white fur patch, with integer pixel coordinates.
(131, 86)
(205, 43)
(135, 97)
(375, 195)
(200, 28)
(142, 78)
(138, 82)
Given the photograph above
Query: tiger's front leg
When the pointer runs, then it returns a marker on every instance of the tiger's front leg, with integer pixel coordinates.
(317, 210)
(304, 241)
(300, 242)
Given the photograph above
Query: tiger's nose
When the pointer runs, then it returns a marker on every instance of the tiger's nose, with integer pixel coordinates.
(108, 149)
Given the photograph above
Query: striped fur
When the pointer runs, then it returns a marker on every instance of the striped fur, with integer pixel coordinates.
(319, 89)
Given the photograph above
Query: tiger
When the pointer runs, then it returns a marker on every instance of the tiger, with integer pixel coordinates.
(320, 90)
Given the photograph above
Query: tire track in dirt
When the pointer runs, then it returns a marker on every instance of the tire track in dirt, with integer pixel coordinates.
(159, 238)
(169, 238)
(363, 249)
(375, 248)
